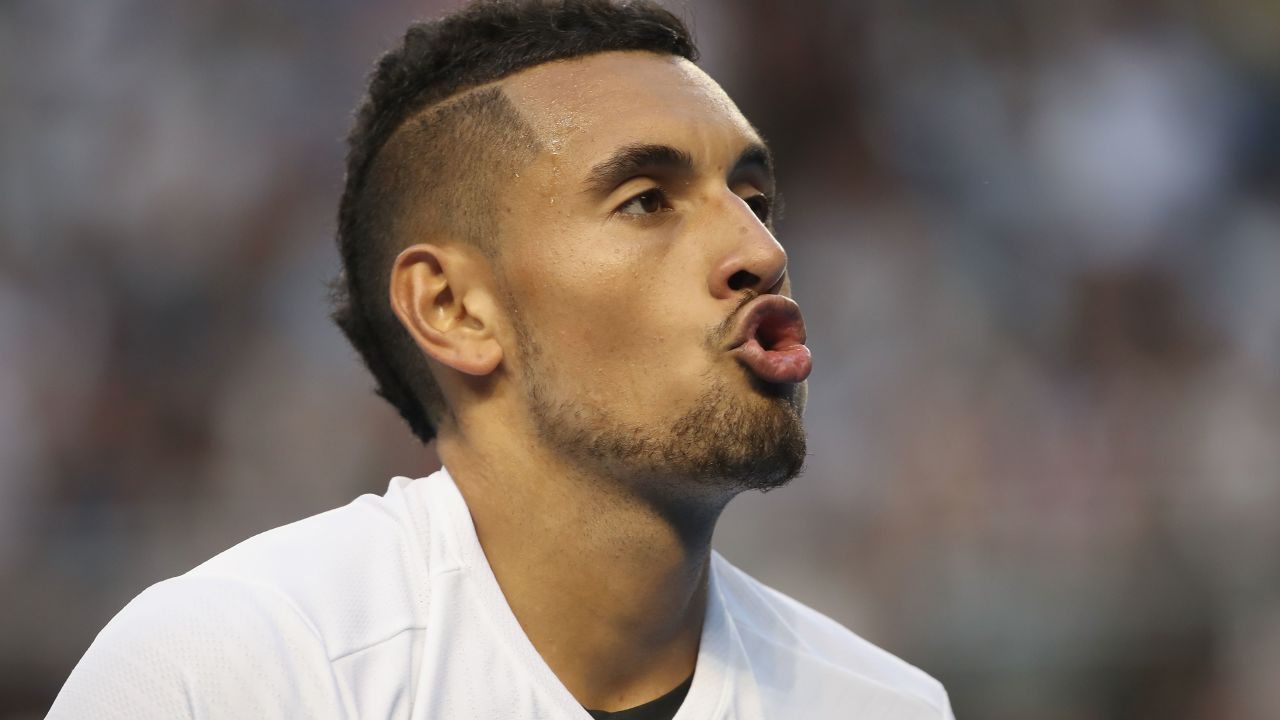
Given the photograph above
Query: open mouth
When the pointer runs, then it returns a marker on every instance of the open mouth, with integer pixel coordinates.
(770, 340)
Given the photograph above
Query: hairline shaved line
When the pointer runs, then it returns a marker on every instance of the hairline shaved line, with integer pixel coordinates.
(401, 158)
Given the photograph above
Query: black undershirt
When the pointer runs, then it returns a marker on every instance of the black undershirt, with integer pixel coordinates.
(664, 708)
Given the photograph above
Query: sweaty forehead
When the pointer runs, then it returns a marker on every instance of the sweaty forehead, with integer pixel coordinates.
(588, 106)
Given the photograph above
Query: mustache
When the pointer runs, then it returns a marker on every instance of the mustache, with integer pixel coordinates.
(716, 338)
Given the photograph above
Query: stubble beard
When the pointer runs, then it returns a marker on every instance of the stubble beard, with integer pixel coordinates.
(728, 441)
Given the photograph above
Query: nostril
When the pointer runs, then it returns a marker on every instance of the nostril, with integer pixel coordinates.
(743, 279)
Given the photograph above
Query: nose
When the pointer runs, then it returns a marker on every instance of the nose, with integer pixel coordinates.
(750, 259)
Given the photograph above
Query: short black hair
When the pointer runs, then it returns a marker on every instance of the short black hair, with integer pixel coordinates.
(458, 142)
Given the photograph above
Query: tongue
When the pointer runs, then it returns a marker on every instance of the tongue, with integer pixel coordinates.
(784, 363)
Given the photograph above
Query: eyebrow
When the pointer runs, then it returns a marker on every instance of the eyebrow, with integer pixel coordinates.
(632, 160)
(756, 156)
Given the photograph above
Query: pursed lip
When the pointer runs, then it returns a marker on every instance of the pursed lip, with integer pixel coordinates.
(780, 316)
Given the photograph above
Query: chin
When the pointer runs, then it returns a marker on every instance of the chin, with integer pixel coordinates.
(754, 441)
(796, 394)
(733, 436)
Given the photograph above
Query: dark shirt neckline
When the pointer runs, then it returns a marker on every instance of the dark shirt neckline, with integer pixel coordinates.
(663, 708)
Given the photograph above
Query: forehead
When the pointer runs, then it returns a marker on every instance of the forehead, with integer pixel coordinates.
(584, 108)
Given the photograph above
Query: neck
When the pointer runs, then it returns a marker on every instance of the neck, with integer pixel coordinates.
(609, 586)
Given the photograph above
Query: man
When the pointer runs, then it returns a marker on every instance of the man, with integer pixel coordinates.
(559, 264)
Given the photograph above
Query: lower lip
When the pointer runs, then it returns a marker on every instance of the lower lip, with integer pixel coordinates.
(791, 364)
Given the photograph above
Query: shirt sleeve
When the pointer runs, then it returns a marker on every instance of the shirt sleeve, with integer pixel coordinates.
(202, 648)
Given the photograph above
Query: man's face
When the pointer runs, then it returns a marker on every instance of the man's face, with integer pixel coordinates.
(630, 249)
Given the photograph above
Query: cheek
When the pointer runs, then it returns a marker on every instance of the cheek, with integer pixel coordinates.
(646, 360)
(584, 291)
(610, 331)
(620, 320)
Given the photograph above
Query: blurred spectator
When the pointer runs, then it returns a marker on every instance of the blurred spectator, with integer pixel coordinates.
(1035, 244)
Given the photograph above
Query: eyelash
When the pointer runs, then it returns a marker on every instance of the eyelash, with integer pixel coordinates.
(760, 204)
(657, 191)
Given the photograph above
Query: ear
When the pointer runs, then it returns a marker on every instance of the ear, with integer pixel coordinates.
(441, 298)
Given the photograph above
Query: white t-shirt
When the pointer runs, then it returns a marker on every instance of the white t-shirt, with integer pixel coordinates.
(387, 608)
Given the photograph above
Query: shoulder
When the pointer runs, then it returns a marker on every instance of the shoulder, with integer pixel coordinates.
(353, 575)
(199, 646)
(256, 630)
(787, 631)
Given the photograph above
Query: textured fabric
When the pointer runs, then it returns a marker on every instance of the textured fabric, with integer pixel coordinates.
(387, 608)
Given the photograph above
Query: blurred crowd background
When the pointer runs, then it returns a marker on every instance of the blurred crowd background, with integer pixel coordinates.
(1037, 244)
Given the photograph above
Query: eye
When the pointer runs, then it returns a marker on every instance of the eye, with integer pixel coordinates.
(761, 205)
(646, 203)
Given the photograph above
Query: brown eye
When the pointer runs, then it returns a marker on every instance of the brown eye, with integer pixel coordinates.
(646, 203)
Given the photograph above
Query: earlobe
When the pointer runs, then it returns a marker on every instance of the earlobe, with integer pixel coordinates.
(439, 296)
